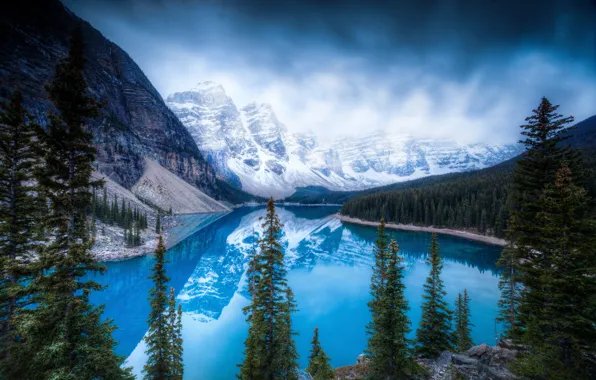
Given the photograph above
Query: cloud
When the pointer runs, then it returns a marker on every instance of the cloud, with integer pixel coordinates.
(465, 69)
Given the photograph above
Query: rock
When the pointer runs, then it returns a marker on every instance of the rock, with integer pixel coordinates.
(478, 351)
(134, 124)
(463, 360)
(506, 343)
(361, 359)
(502, 356)
(496, 373)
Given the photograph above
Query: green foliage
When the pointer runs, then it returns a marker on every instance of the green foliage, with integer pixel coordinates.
(462, 338)
(64, 336)
(130, 219)
(433, 335)
(164, 336)
(158, 223)
(552, 254)
(478, 200)
(176, 350)
(157, 338)
(511, 288)
(318, 362)
(466, 201)
(562, 285)
(388, 348)
(20, 207)
(270, 352)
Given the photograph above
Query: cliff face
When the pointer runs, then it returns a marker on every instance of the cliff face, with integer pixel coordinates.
(135, 122)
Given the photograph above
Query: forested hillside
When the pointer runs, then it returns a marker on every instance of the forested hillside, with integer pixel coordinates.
(474, 200)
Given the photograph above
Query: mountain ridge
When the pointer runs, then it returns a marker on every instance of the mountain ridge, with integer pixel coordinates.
(134, 124)
(253, 150)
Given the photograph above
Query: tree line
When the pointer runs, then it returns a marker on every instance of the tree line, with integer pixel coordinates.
(480, 201)
(130, 219)
(548, 268)
(477, 203)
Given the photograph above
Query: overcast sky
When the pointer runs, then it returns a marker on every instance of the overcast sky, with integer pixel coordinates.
(464, 69)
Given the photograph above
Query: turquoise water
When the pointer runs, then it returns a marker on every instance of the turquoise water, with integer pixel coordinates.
(330, 271)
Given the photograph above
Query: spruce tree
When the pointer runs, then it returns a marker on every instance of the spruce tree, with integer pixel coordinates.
(462, 338)
(175, 324)
(318, 362)
(66, 336)
(158, 223)
(545, 151)
(388, 347)
(19, 207)
(510, 288)
(104, 206)
(270, 352)
(433, 334)
(157, 339)
(561, 334)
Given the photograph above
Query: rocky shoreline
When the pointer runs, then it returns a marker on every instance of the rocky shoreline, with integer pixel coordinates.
(445, 231)
(481, 362)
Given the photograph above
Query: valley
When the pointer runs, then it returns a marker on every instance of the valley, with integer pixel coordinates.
(371, 195)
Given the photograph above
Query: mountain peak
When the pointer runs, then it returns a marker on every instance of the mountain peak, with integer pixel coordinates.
(206, 86)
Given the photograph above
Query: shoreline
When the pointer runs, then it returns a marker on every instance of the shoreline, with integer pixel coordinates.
(445, 231)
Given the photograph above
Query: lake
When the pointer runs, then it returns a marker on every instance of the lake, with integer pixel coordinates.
(330, 267)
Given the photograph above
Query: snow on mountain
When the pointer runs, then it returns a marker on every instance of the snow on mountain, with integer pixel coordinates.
(251, 149)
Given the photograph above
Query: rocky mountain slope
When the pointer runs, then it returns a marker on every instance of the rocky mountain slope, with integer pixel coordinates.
(252, 150)
(135, 123)
(161, 188)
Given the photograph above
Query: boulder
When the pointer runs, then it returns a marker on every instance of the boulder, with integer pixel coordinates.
(466, 360)
(478, 351)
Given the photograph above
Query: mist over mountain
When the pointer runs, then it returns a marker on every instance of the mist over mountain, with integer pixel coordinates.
(253, 150)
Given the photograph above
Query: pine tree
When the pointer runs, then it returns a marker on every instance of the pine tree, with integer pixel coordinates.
(462, 338)
(510, 288)
(318, 362)
(377, 282)
(65, 336)
(432, 336)
(104, 205)
(157, 339)
(388, 347)
(158, 223)
(175, 324)
(18, 210)
(137, 237)
(562, 333)
(545, 151)
(123, 213)
(270, 351)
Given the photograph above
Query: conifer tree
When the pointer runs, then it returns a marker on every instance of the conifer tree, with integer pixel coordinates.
(270, 352)
(545, 151)
(462, 338)
(388, 347)
(158, 223)
(157, 339)
(510, 288)
(318, 361)
(377, 282)
(175, 323)
(65, 335)
(19, 208)
(104, 205)
(433, 334)
(561, 334)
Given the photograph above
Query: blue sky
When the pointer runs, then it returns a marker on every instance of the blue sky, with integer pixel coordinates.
(462, 69)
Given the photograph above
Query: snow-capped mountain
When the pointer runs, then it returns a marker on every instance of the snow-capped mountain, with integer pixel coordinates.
(251, 149)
